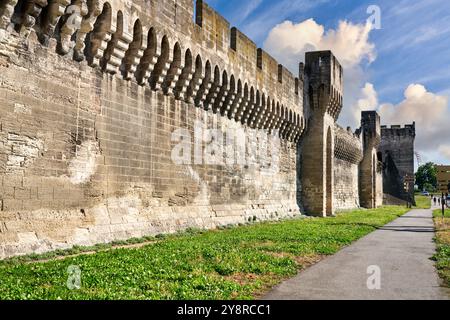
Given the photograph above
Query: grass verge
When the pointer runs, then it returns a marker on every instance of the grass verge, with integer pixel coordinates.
(442, 256)
(236, 263)
(422, 202)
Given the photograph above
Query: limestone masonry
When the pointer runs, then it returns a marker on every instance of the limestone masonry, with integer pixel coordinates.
(96, 98)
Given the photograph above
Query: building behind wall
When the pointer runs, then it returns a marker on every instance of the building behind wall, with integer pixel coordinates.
(443, 178)
(397, 154)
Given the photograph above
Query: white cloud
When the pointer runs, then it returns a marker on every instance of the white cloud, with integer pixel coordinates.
(288, 42)
(419, 105)
(369, 99)
(350, 43)
(365, 100)
(431, 113)
(259, 26)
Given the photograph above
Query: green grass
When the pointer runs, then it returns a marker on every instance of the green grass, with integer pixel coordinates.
(442, 256)
(235, 263)
(422, 202)
(438, 213)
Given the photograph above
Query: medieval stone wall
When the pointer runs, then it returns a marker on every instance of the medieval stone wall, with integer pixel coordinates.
(348, 154)
(346, 185)
(106, 131)
(122, 118)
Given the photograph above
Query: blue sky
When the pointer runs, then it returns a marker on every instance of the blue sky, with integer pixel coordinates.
(412, 47)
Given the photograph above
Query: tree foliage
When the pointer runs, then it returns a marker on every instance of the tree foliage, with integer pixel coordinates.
(426, 177)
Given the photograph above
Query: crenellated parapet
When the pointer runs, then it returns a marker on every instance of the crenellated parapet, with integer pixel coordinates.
(160, 44)
(348, 145)
(371, 129)
(325, 83)
(408, 130)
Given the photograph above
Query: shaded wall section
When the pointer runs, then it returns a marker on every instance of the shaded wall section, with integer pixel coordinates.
(397, 153)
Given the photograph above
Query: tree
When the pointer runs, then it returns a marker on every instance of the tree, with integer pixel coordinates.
(428, 187)
(426, 176)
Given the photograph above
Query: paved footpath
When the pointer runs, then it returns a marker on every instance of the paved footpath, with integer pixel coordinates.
(402, 251)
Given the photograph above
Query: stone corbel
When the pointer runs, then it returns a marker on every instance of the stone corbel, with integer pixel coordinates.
(213, 94)
(195, 84)
(55, 11)
(132, 60)
(116, 49)
(285, 126)
(253, 114)
(221, 96)
(99, 43)
(87, 25)
(184, 81)
(6, 13)
(173, 75)
(273, 121)
(260, 115)
(147, 63)
(29, 15)
(159, 80)
(73, 24)
(226, 106)
(291, 129)
(268, 118)
(239, 112)
(203, 92)
(235, 103)
(298, 136)
(112, 54)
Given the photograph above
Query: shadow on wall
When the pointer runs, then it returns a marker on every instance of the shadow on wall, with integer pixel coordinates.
(393, 182)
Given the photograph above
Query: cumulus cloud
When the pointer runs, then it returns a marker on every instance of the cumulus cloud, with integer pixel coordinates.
(431, 113)
(365, 100)
(350, 43)
(288, 42)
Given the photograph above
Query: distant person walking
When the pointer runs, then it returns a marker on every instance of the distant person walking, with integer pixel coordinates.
(439, 201)
(434, 200)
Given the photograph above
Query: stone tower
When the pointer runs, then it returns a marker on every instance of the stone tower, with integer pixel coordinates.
(324, 87)
(370, 185)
